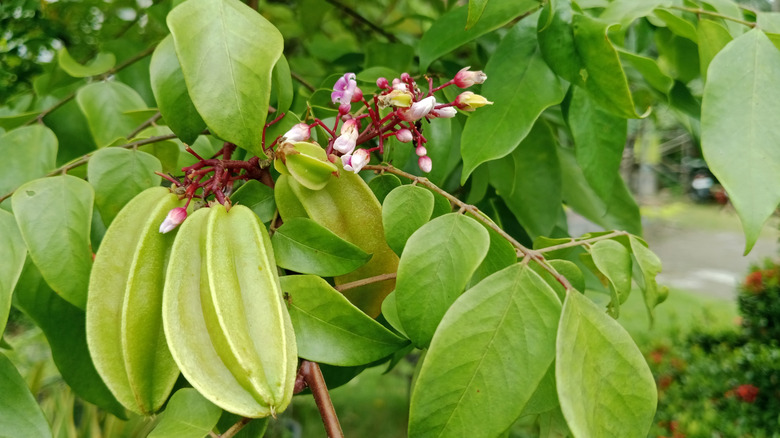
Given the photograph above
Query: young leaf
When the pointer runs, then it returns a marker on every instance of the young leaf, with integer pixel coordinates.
(170, 92)
(648, 266)
(101, 63)
(435, 267)
(521, 85)
(20, 414)
(258, 197)
(28, 153)
(65, 329)
(13, 252)
(713, 37)
(605, 387)
(383, 184)
(739, 132)
(329, 329)
(404, 210)
(302, 245)
(614, 261)
(440, 38)
(500, 255)
(227, 52)
(488, 356)
(107, 107)
(187, 415)
(117, 175)
(54, 216)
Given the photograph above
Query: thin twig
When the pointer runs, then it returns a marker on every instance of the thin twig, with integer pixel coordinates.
(365, 281)
(713, 14)
(303, 81)
(575, 242)
(313, 377)
(351, 12)
(522, 250)
(144, 125)
(235, 428)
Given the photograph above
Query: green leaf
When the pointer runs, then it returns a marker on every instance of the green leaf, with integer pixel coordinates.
(302, 245)
(330, 329)
(678, 25)
(13, 252)
(117, 175)
(545, 397)
(28, 153)
(739, 131)
(564, 267)
(500, 255)
(258, 197)
(64, 326)
(106, 106)
(435, 267)
(713, 37)
(649, 266)
(282, 80)
(390, 313)
(489, 354)
(529, 181)
(187, 415)
(614, 262)
(170, 92)
(20, 415)
(227, 52)
(442, 136)
(100, 64)
(521, 85)
(624, 12)
(54, 216)
(599, 138)
(404, 210)
(649, 70)
(394, 57)
(677, 56)
(605, 387)
(383, 184)
(556, 40)
(476, 8)
(449, 31)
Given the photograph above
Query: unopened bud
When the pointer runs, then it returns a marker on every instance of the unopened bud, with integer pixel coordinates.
(466, 78)
(175, 217)
(400, 85)
(468, 101)
(299, 132)
(405, 77)
(421, 151)
(425, 164)
(446, 112)
(382, 83)
(346, 142)
(418, 110)
(404, 135)
(356, 161)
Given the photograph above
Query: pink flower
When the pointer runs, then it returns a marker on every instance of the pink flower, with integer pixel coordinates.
(356, 161)
(346, 142)
(175, 217)
(747, 393)
(446, 112)
(425, 163)
(299, 132)
(418, 110)
(466, 78)
(346, 90)
(404, 135)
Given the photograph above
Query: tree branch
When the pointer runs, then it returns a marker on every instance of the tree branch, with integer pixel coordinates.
(365, 281)
(352, 13)
(713, 14)
(575, 242)
(312, 376)
(234, 429)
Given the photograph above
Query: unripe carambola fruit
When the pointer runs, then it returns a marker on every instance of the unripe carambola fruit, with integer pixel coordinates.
(224, 315)
(124, 317)
(306, 162)
(348, 207)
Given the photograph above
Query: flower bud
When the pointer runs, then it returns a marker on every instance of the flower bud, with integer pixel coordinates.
(468, 101)
(356, 161)
(446, 112)
(299, 132)
(396, 98)
(175, 217)
(382, 83)
(421, 151)
(466, 78)
(405, 77)
(425, 164)
(403, 135)
(400, 85)
(418, 110)
(346, 142)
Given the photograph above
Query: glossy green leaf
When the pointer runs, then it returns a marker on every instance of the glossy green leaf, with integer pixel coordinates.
(566, 268)
(545, 397)
(648, 266)
(500, 255)
(117, 175)
(302, 245)
(614, 262)
(448, 32)
(435, 267)
(13, 252)
(390, 313)
(231, 91)
(170, 92)
(521, 85)
(20, 415)
(383, 184)
(489, 354)
(443, 138)
(404, 210)
(476, 8)
(625, 12)
(678, 57)
(100, 64)
(64, 326)
(283, 84)
(713, 37)
(28, 153)
(55, 215)
(599, 139)
(330, 329)
(649, 70)
(258, 197)
(556, 40)
(605, 387)
(677, 24)
(187, 415)
(529, 181)
(739, 131)
(106, 106)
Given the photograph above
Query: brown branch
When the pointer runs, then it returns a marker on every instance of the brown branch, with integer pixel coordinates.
(235, 428)
(303, 81)
(575, 242)
(713, 14)
(365, 281)
(522, 250)
(312, 376)
(145, 125)
(352, 13)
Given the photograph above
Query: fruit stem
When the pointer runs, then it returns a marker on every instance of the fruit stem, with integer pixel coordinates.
(312, 375)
